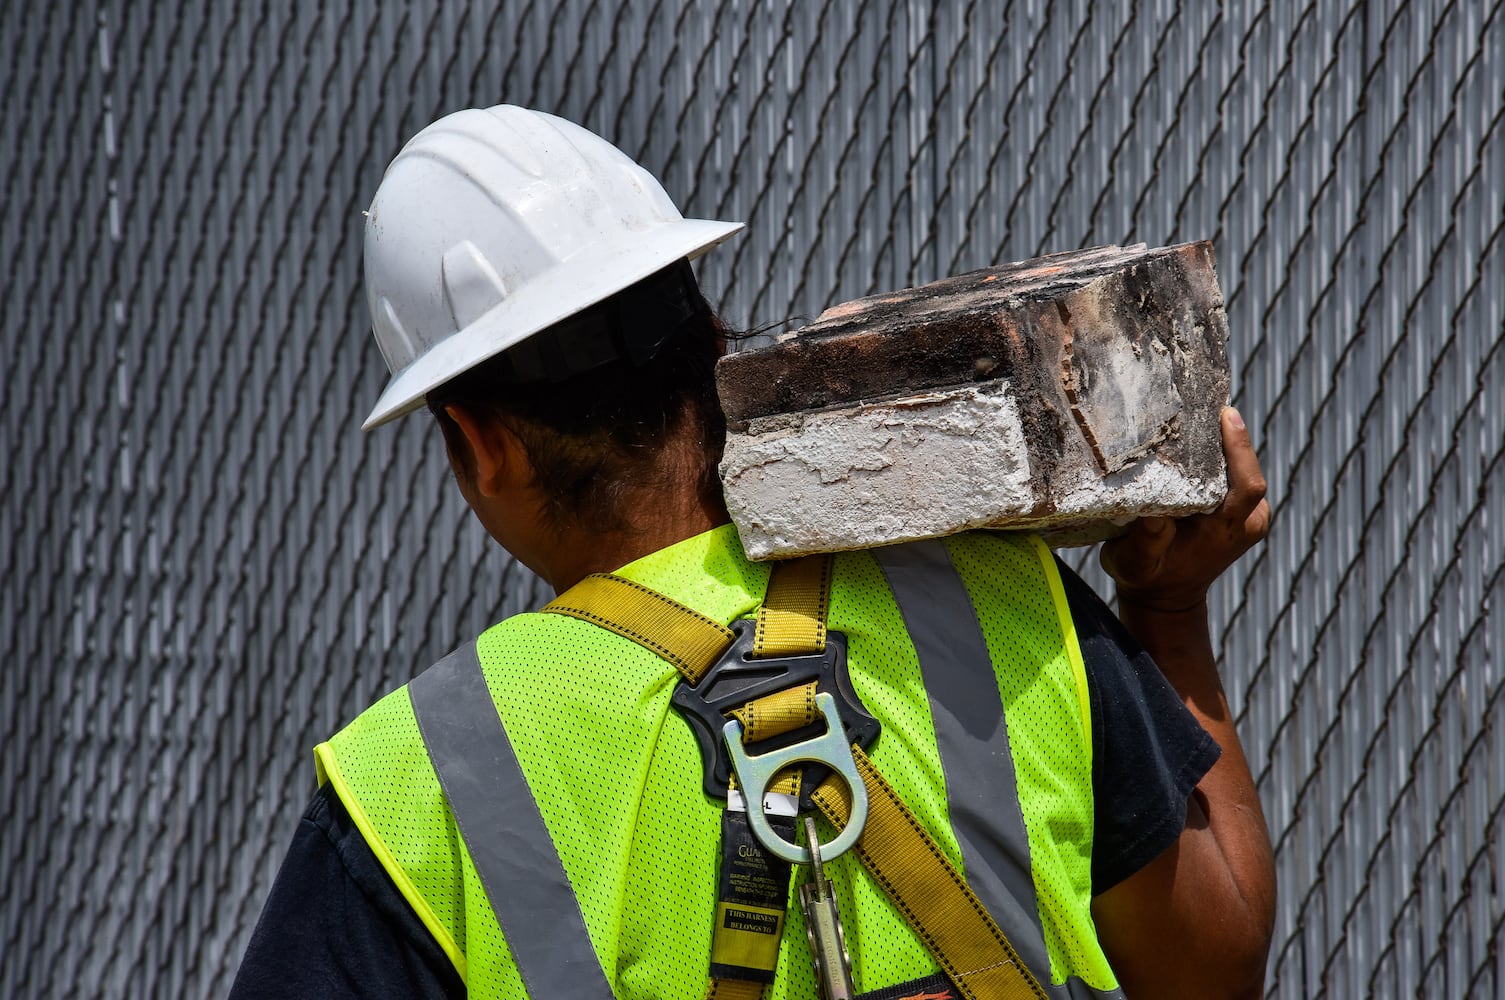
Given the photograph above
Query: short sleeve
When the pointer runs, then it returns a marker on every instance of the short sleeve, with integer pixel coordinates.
(335, 926)
(1148, 750)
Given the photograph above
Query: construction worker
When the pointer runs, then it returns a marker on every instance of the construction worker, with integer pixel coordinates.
(537, 815)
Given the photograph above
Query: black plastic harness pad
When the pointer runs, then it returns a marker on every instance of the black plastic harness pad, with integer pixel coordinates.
(737, 679)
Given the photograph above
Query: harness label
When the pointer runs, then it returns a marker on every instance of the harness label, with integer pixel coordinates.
(757, 921)
(753, 895)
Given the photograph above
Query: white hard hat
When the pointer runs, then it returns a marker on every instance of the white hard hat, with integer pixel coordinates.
(492, 225)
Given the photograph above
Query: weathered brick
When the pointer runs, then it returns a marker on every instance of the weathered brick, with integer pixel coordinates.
(1067, 394)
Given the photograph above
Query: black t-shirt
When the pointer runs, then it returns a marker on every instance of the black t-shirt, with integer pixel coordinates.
(1148, 751)
(335, 926)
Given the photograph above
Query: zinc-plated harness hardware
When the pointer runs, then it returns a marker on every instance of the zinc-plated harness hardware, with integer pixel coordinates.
(755, 773)
(828, 940)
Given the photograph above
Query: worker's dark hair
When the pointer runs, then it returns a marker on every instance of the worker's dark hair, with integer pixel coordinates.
(592, 436)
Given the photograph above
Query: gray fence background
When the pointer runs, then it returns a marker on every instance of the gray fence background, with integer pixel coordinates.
(207, 568)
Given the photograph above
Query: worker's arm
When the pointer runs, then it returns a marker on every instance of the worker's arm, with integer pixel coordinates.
(1196, 921)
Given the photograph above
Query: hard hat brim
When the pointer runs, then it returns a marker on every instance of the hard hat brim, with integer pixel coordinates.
(576, 284)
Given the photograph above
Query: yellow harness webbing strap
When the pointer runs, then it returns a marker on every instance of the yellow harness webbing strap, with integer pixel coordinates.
(900, 855)
(774, 715)
(792, 619)
(778, 713)
(927, 889)
(683, 636)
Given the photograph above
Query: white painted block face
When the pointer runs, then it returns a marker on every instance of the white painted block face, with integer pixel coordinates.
(1149, 488)
(878, 473)
(926, 466)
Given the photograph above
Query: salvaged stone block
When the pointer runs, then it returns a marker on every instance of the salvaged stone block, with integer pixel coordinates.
(1067, 394)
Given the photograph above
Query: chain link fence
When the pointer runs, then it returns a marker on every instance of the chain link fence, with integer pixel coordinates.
(207, 568)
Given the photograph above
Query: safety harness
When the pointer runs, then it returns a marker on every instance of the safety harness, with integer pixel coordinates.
(781, 731)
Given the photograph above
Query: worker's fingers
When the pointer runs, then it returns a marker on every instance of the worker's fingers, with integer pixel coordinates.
(1136, 558)
(1257, 524)
(1169, 564)
(1246, 482)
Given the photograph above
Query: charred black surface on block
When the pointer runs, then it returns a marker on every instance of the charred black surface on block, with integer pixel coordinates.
(1199, 349)
(891, 352)
(1046, 417)
(972, 327)
(1113, 353)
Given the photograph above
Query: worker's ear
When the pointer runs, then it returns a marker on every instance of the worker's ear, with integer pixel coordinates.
(498, 460)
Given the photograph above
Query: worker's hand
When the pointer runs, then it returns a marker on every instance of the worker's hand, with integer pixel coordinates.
(1166, 565)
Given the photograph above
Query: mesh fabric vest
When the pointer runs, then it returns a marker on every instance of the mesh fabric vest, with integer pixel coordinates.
(617, 774)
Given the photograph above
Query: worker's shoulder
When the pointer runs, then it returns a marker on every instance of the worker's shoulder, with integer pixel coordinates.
(531, 631)
(394, 711)
(395, 707)
(533, 650)
(985, 541)
(985, 548)
(1001, 569)
(978, 542)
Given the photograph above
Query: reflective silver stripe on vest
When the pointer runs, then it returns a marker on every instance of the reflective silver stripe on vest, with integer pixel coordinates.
(504, 831)
(973, 739)
(1078, 990)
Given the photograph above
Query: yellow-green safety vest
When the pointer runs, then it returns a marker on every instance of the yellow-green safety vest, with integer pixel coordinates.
(600, 845)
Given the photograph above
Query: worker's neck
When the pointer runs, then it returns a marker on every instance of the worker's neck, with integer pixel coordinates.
(656, 522)
(657, 508)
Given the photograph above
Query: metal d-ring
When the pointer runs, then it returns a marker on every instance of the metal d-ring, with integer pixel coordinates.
(755, 773)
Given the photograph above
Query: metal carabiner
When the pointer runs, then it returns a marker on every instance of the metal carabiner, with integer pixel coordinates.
(755, 773)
